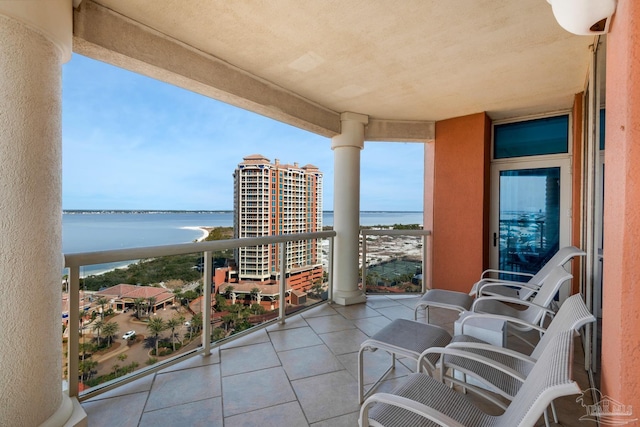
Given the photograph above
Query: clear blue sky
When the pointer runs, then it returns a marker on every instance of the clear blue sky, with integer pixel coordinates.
(131, 142)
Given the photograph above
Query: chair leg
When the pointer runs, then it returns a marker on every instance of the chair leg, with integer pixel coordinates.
(546, 417)
(554, 412)
(362, 395)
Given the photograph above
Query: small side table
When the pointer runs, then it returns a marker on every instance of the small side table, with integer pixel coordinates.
(491, 331)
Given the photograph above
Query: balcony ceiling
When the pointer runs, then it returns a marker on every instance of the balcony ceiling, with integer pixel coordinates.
(305, 62)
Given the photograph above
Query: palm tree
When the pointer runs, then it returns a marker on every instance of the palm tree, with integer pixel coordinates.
(156, 325)
(102, 301)
(196, 322)
(85, 367)
(172, 324)
(84, 348)
(254, 294)
(218, 334)
(181, 320)
(138, 303)
(178, 295)
(151, 301)
(109, 330)
(97, 328)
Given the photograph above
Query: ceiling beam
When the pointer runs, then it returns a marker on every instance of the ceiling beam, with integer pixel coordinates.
(400, 131)
(103, 34)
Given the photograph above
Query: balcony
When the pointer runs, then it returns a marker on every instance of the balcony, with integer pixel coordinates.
(300, 371)
(303, 372)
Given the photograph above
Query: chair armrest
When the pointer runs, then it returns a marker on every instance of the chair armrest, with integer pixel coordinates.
(482, 282)
(509, 319)
(467, 346)
(409, 405)
(494, 271)
(517, 301)
(449, 351)
(521, 285)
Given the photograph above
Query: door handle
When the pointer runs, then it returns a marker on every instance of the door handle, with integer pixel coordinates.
(495, 239)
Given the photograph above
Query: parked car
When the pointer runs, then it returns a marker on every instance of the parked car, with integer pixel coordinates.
(128, 335)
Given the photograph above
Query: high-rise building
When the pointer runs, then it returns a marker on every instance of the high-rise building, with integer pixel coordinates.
(274, 198)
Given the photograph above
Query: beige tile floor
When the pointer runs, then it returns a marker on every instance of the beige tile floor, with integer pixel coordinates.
(303, 373)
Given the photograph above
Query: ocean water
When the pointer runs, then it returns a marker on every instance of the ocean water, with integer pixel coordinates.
(84, 231)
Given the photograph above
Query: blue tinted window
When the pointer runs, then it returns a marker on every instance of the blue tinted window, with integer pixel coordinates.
(532, 138)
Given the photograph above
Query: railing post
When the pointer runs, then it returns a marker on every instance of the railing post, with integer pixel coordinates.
(73, 343)
(425, 262)
(206, 303)
(330, 266)
(283, 283)
(364, 260)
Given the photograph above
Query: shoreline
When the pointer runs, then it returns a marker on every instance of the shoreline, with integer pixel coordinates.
(205, 230)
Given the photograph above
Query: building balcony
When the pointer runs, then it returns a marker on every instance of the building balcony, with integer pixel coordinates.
(300, 373)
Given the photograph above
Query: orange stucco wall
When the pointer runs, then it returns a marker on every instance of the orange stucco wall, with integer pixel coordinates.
(621, 287)
(576, 197)
(460, 201)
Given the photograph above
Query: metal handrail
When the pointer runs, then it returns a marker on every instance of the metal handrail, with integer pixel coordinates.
(76, 260)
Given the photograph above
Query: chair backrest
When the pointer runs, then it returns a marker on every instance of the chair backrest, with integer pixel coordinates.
(573, 314)
(560, 258)
(547, 291)
(549, 379)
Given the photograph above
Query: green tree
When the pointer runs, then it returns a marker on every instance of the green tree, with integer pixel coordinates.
(317, 288)
(156, 326)
(228, 320)
(97, 328)
(189, 295)
(221, 302)
(257, 309)
(196, 322)
(218, 334)
(151, 303)
(172, 324)
(102, 301)
(181, 320)
(177, 293)
(85, 368)
(84, 348)
(109, 330)
(254, 294)
(138, 303)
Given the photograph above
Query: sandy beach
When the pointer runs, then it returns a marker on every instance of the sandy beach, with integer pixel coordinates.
(203, 229)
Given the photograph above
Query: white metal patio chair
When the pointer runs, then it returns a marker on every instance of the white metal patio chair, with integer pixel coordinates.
(461, 301)
(534, 312)
(401, 337)
(410, 338)
(500, 370)
(422, 400)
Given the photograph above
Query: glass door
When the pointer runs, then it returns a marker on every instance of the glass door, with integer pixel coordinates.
(530, 217)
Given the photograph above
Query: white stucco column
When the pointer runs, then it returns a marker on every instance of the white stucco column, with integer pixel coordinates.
(346, 208)
(35, 39)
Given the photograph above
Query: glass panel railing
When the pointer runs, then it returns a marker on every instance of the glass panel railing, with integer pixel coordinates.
(393, 261)
(151, 312)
